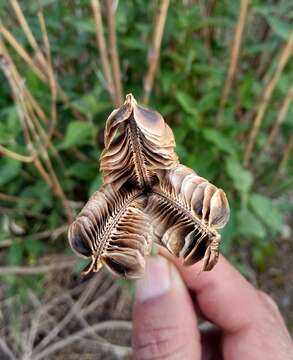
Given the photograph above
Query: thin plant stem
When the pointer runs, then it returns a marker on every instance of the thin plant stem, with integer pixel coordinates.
(235, 51)
(27, 31)
(103, 50)
(34, 133)
(102, 326)
(266, 96)
(279, 119)
(154, 51)
(35, 270)
(7, 35)
(15, 156)
(42, 68)
(114, 53)
(52, 81)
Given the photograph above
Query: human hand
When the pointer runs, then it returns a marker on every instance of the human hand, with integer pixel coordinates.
(249, 324)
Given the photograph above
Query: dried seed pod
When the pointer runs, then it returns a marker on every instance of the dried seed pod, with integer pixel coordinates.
(113, 231)
(147, 196)
(137, 143)
(186, 210)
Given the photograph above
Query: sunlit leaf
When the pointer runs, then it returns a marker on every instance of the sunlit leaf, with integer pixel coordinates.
(267, 211)
(77, 134)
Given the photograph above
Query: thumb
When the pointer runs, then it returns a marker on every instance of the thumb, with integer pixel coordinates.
(164, 321)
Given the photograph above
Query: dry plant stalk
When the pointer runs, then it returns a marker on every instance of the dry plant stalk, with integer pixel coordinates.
(41, 65)
(50, 71)
(21, 51)
(147, 196)
(15, 156)
(235, 50)
(35, 136)
(103, 50)
(114, 53)
(154, 51)
(266, 96)
(280, 118)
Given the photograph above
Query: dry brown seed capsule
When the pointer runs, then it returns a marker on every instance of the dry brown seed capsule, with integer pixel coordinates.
(137, 143)
(113, 230)
(186, 210)
(147, 196)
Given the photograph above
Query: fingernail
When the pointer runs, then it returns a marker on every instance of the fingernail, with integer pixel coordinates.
(156, 280)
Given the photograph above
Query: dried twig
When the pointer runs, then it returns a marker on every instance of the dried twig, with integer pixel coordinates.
(36, 270)
(267, 93)
(102, 49)
(235, 50)
(279, 120)
(52, 80)
(154, 51)
(15, 156)
(42, 68)
(24, 25)
(35, 322)
(51, 234)
(8, 210)
(6, 350)
(7, 35)
(18, 199)
(106, 325)
(114, 54)
(36, 138)
(120, 352)
(102, 299)
(67, 318)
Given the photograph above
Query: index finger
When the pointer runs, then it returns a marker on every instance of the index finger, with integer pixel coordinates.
(224, 296)
(253, 327)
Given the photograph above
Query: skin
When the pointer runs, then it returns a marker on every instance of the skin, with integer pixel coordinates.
(170, 300)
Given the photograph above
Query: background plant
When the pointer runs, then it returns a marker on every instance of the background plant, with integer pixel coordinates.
(221, 73)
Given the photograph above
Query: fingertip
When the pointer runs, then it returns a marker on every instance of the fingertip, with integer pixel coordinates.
(156, 280)
(164, 321)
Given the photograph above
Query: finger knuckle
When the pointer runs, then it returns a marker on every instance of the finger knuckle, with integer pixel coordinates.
(158, 342)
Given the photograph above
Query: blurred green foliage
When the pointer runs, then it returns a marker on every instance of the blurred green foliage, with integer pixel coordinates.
(193, 66)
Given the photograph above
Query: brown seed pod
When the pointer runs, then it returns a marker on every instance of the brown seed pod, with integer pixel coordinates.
(147, 196)
(137, 143)
(113, 230)
(186, 210)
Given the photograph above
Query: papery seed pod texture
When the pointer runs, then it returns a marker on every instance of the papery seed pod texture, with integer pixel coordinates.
(147, 196)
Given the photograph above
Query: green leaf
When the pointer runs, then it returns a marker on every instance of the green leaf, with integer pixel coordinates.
(85, 170)
(187, 103)
(82, 24)
(15, 253)
(280, 27)
(78, 133)
(220, 140)
(10, 169)
(241, 178)
(249, 226)
(91, 102)
(34, 247)
(267, 211)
